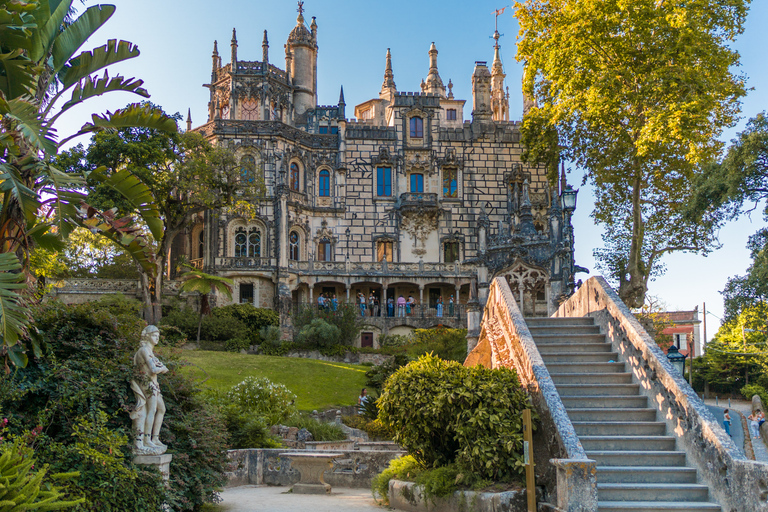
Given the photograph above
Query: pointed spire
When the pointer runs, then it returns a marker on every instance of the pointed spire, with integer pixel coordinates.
(234, 50)
(189, 119)
(313, 28)
(215, 57)
(389, 76)
(563, 180)
(342, 104)
(450, 89)
(300, 17)
(215, 48)
(265, 49)
(434, 84)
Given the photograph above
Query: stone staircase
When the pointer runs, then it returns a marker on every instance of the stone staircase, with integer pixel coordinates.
(638, 466)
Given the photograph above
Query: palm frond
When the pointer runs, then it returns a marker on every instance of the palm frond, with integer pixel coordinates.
(90, 62)
(13, 315)
(75, 34)
(92, 86)
(134, 115)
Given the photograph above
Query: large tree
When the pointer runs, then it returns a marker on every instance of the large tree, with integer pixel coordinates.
(737, 185)
(636, 94)
(43, 74)
(146, 186)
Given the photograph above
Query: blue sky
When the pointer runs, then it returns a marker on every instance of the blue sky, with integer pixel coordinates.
(176, 39)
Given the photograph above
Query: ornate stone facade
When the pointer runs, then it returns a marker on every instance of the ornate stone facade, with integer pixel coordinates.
(367, 204)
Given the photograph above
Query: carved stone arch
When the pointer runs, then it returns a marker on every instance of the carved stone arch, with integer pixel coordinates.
(528, 282)
(296, 164)
(240, 225)
(197, 241)
(303, 239)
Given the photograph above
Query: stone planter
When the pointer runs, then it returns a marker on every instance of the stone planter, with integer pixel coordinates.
(410, 497)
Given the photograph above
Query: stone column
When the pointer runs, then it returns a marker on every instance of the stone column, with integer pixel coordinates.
(283, 238)
(348, 288)
(421, 296)
(311, 293)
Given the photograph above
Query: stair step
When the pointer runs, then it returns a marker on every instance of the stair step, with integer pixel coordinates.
(604, 413)
(633, 428)
(564, 330)
(598, 389)
(599, 367)
(590, 378)
(635, 474)
(579, 357)
(612, 401)
(568, 338)
(555, 348)
(632, 443)
(656, 506)
(538, 322)
(637, 458)
(652, 492)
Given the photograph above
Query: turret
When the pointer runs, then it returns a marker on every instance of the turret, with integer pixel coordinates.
(265, 49)
(302, 46)
(342, 104)
(499, 103)
(189, 119)
(216, 64)
(433, 83)
(481, 93)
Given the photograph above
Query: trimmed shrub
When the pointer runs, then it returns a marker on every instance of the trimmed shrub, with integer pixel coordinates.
(253, 318)
(221, 329)
(448, 344)
(237, 344)
(442, 412)
(320, 431)
(751, 390)
(346, 318)
(319, 333)
(377, 376)
(260, 396)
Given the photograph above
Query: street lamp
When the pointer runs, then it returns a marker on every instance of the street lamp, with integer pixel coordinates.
(347, 232)
(569, 198)
(676, 358)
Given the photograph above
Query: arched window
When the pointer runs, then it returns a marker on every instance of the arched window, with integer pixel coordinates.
(417, 127)
(294, 177)
(293, 246)
(324, 251)
(201, 244)
(247, 245)
(417, 182)
(450, 183)
(324, 188)
(247, 168)
(249, 110)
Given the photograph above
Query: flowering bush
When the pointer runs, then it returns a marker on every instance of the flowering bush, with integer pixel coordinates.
(261, 396)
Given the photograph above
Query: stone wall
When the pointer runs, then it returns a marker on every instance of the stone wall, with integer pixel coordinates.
(736, 483)
(259, 466)
(561, 463)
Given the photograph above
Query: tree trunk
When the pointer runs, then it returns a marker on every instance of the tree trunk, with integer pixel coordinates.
(200, 323)
(632, 290)
(152, 293)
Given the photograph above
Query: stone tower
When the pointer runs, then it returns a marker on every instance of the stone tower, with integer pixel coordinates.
(302, 64)
(481, 93)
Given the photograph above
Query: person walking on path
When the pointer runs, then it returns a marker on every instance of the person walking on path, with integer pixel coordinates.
(727, 422)
(754, 424)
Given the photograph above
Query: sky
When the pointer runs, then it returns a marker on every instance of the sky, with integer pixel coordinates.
(176, 41)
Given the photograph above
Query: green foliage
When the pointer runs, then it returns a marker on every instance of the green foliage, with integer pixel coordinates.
(237, 344)
(445, 343)
(320, 431)
(248, 430)
(260, 396)
(402, 468)
(77, 391)
(346, 318)
(442, 412)
(318, 333)
(636, 94)
(255, 319)
(394, 340)
(22, 487)
(751, 390)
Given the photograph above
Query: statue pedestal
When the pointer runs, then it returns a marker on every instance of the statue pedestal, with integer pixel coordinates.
(161, 462)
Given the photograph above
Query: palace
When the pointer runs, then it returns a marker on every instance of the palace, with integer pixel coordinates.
(407, 198)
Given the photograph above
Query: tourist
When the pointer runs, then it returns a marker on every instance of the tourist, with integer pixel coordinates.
(375, 305)
(727, 422)
(390, 307)
(439, 307)
(334, 303)
(361, 401)
(754, 424)
(409, 305)
(370, 302)
(361, 299)
(321, 302)
(760, 419)
(401, 306)
(450, 306)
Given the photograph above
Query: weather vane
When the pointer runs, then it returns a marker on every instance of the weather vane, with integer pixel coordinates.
(301, 7)
(498, 12)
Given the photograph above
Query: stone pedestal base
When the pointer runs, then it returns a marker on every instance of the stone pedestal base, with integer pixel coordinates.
(311, 488)
(161, 462)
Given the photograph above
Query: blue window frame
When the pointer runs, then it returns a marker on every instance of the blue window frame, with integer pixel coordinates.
(325, 183)
(247, 168)
(450, 183)
(417, 183)
(334, 130)
(323, 130)
(294, 178)
(384, 181)
(417, 127)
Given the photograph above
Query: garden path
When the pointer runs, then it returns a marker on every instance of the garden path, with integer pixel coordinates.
(263, 498)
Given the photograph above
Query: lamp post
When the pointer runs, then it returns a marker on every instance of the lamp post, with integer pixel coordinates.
(347, 232)
(676, 358)
(568, 199)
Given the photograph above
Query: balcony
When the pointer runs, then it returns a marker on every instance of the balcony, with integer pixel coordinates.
(420, 315)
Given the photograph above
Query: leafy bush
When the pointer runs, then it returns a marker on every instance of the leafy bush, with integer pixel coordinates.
(184, 319)
(78, 392)
(320, 431)
(394, 340)
(442, 412)
(346, 318)
(222, 329)
(172, 336)
(319, 333)
(402, 468)
(254, 319)
(378, 375)
(751, 390)
(247, 430)
(261, 396)
(448, 344)
(237, 344)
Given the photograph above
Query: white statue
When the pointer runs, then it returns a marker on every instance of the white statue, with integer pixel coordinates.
(150, 409)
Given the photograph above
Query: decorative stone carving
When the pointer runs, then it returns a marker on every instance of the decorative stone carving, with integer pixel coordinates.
(419, 226)
(149, 411)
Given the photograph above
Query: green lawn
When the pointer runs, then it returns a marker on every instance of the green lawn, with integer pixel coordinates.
(317, 384)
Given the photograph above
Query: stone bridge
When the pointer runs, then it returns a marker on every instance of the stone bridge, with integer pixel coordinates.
(620, 429)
